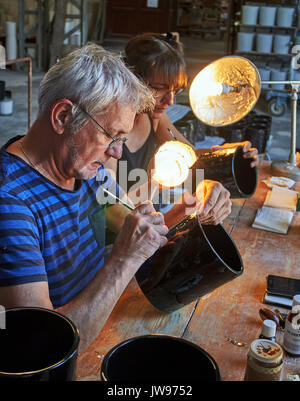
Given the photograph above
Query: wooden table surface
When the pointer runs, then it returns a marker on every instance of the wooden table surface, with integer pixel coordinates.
(231, 311)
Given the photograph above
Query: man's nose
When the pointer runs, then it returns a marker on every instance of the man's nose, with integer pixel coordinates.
(116, 150)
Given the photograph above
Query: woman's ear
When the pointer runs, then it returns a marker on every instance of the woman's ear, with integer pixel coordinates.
(60, 115)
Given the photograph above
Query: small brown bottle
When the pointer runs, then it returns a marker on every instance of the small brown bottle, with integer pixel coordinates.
(291, 337)
(268, 331)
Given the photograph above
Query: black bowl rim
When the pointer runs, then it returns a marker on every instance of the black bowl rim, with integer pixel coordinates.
(69, 355)
(239, 150)
(237, 273)
(153, 336)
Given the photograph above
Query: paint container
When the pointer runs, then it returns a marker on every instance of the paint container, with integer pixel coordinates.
(267, 16)
(265, 74)
(249, 15)
(245, 41)
(264, 42)
(278, 76)
(281, 44)
(6, 105)
(285, 17)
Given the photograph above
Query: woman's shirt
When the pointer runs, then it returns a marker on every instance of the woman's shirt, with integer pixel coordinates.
(132, 167)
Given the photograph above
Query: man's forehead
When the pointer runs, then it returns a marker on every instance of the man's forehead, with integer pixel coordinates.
(119, 117)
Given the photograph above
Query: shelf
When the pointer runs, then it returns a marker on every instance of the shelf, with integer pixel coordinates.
(267, 26)
(254, 53)
(266, 4)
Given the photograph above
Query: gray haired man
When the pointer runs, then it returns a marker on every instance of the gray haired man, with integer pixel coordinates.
(52, 227)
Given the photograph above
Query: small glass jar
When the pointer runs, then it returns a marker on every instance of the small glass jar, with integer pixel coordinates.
(268, 331)
(264, 362)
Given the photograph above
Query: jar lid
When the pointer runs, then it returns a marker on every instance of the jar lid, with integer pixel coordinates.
(296, 300)
(266, 351)
(269, 328)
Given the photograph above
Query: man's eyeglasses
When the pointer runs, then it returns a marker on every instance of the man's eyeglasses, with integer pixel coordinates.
(114, 139)
(162, 92)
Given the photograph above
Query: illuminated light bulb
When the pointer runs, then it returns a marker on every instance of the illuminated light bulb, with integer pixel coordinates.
(172, 162)
(204, 85)
(225, 91)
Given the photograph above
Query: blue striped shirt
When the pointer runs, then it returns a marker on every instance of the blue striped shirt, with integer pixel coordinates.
(48, 233)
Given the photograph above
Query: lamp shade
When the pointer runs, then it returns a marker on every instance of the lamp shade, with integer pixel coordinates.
(225, 91)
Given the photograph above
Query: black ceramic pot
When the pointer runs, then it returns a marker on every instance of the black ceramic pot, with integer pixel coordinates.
(230, 168)
(38, 345)
(258, 137)
(233, 134)
(158, 358)
(2, 90)
(263, 119)
(196, 260)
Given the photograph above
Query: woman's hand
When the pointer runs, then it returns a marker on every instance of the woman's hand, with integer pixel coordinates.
(213, 202)
(249, 153)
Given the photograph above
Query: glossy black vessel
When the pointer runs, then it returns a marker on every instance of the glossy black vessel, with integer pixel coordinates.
(38, 345)
(230, 168)
(196, 260)
(158, 359)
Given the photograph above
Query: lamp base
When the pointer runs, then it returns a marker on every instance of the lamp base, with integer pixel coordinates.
(285, 169)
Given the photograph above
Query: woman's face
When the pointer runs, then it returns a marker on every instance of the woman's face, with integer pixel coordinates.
(164, 95)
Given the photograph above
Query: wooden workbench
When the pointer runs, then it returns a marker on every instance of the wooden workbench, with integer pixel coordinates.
(231, 311)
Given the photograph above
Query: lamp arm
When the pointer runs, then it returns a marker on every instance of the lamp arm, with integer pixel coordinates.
(294, 98)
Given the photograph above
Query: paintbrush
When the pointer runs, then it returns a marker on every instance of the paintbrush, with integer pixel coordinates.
(172, 134)
(131, 207)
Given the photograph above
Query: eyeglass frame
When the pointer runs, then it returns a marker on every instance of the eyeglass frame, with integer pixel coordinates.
(114, 140)
(154, 88)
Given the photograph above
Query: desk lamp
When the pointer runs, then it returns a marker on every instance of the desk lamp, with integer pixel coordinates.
(227, 89)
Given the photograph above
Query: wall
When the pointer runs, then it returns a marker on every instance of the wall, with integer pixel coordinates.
(9, 12)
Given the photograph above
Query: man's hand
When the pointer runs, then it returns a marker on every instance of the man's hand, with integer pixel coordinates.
(143, 232)
(249, 153)
(213, 202)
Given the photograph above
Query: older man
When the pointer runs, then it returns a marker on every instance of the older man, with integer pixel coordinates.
(52, 227)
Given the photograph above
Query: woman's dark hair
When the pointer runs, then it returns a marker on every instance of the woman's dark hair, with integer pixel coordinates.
(151, 55)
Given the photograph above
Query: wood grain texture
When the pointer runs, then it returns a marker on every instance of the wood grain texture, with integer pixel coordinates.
(132, 316)
(231, 311)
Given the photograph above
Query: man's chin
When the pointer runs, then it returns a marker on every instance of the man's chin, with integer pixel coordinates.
(88, 173)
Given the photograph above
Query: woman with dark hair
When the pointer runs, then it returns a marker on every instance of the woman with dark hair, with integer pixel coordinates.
(158, 61)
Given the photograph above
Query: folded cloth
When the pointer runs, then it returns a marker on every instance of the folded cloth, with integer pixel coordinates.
(282, 198)
(177, 111)
(279, 182)
(209, 141)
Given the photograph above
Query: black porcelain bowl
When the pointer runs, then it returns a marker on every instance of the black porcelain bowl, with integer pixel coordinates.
(195, 261)
(230, 168)
(37, 344)
(158, 358)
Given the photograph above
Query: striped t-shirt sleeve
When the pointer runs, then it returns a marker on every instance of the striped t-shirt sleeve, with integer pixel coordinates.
(20, 253)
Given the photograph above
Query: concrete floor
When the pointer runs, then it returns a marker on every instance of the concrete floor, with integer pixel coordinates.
(197, 53)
